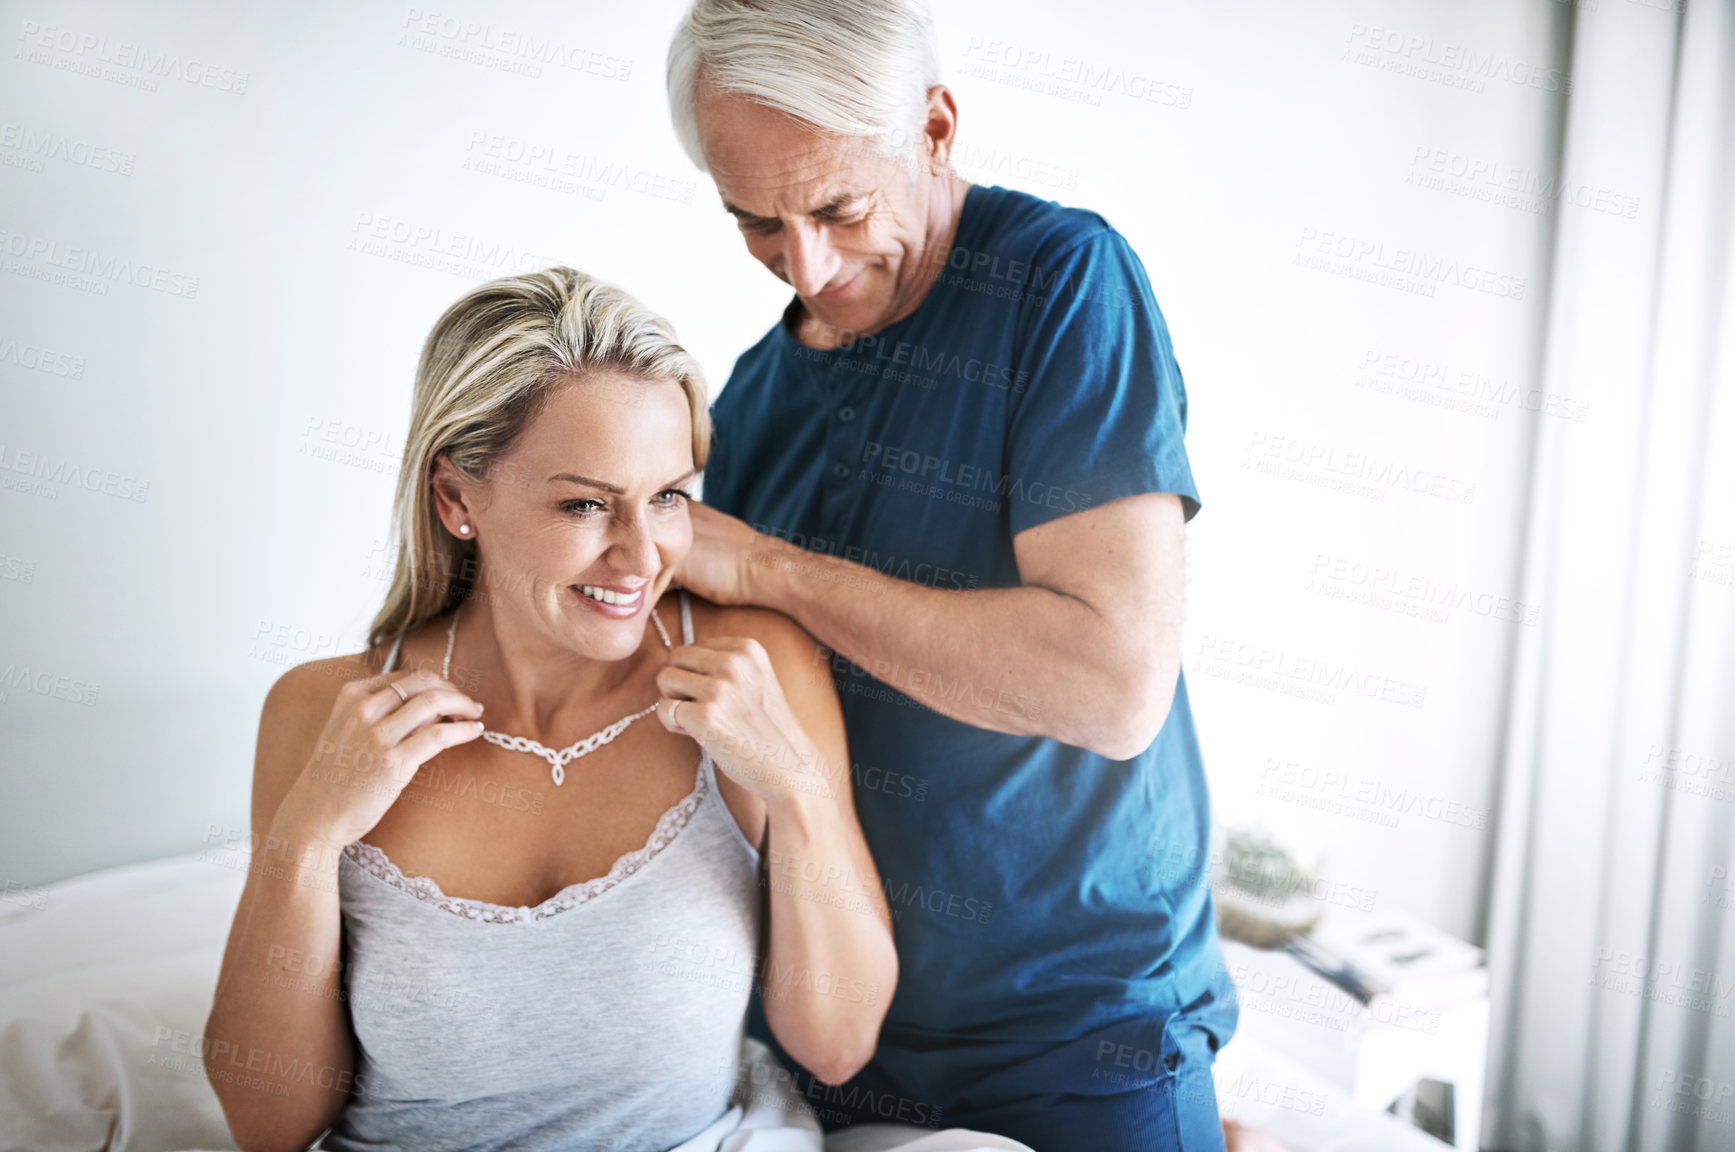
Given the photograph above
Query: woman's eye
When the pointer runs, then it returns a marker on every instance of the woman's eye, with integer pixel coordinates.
(668, 498)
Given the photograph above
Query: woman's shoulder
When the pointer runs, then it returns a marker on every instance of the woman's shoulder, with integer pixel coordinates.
(777, 634)
(295, 712)
(801, 663)
(311, 687)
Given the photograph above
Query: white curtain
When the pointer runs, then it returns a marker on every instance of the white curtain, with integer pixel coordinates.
(1611, 935)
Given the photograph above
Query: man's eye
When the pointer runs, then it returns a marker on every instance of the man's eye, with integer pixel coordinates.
(846, 215)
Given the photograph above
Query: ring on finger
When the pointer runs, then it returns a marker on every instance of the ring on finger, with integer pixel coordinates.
(393, 685)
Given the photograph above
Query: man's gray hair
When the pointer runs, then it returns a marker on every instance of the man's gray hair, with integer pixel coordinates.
(857, 68)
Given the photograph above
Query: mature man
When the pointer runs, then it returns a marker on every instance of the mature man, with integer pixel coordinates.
(957, 460)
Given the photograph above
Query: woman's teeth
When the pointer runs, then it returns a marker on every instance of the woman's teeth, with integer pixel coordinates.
(608, 597)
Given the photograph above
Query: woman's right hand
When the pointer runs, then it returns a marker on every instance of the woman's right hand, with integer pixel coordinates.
(369, 751)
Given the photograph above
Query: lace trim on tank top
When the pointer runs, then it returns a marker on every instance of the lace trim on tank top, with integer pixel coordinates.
(377, 864)
(423, 888)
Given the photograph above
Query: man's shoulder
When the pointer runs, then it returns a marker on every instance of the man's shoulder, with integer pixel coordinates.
(1021, 225)
(752, 370)
(761, 352)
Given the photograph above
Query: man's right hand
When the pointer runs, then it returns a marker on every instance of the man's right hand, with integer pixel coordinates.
(718, 565)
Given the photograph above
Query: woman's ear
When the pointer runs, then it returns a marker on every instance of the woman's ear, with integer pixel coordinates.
(447, 488)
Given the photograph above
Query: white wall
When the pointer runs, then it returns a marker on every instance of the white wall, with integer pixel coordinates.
(328, 175)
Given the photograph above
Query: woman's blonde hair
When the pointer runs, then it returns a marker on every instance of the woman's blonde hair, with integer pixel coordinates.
(489, 365)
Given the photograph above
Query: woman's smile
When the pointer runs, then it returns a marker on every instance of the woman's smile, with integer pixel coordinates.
(614, 603)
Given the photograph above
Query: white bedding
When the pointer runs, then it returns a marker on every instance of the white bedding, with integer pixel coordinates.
(105, 983)
(106, 980)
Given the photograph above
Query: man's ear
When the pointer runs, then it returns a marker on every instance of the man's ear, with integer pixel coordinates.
(941, 130)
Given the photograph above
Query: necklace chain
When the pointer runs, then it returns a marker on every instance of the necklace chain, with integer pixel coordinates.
(557, 760)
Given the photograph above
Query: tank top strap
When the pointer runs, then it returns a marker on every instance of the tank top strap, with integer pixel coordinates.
(715, 795)
(392, 656)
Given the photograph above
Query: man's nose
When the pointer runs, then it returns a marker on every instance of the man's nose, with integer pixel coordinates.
(810, 258)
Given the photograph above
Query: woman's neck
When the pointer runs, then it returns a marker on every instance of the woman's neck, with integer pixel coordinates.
(534, 687)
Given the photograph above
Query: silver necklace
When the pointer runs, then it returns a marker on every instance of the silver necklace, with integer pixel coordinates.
(557, 760)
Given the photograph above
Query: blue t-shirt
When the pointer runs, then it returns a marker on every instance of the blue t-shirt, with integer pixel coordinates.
(1040, 890)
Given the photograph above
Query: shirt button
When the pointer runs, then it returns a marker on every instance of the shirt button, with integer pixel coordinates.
(846, 414)
(840, 470)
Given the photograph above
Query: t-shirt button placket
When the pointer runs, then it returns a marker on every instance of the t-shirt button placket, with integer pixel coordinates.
(840, 494)
(845, 415)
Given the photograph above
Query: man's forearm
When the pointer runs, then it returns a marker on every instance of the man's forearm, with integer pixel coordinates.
(1023, 660)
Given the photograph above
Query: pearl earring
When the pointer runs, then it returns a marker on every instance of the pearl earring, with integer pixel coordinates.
(463, 529)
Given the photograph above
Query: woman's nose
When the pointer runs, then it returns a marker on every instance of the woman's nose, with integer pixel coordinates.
(635, 548)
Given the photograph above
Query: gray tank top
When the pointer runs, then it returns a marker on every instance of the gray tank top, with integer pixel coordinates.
(608, 1016)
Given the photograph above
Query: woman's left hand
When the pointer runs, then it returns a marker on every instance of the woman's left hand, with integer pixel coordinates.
(723, 692)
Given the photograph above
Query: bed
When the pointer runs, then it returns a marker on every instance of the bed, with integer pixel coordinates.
(106, 980)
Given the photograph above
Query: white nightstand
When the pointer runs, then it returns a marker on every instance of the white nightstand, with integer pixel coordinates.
(1376, 1054)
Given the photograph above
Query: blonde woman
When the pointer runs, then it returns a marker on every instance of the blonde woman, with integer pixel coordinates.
(510, 892)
